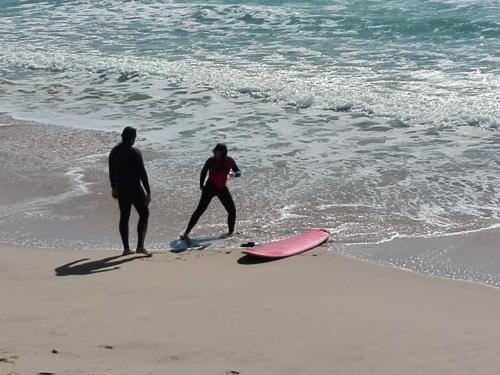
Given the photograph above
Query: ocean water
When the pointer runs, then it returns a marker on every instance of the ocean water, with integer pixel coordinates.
(375, 119)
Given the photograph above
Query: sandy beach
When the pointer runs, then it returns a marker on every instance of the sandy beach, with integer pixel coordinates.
(93, 312)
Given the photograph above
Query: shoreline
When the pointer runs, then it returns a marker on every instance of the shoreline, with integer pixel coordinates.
(320, 250)
(215, 312)
(465, 256)
(66, 203)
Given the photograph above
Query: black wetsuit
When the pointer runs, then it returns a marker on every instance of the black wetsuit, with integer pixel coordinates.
(216, 187)
(126, 172)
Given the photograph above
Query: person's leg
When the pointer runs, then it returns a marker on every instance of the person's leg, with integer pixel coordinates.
(125, 205)
(228, 203)
(206, 196)
(142, 225)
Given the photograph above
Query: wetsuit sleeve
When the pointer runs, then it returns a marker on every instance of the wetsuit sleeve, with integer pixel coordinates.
(235, 169)
(204, 171)
(112, 169)
(143, 174)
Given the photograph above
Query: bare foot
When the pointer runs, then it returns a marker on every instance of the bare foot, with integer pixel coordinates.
(143, 251)
(127, 252)
(227, 235)
(185, 237)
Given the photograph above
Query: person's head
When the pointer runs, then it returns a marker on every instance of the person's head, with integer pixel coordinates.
(220, 151)
(128, 135)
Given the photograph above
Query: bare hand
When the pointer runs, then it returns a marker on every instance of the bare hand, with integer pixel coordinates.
(148, 200)
(114, 193)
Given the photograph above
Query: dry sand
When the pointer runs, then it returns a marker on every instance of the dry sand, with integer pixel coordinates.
(214, 313)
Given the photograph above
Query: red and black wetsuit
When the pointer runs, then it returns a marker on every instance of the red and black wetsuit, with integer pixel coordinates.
(218, 171)
(126, 172)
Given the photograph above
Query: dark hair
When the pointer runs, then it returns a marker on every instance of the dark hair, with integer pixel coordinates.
(128, 133)
(222, 148)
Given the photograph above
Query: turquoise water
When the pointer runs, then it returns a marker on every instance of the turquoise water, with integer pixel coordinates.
(430, 63)
(376, 119)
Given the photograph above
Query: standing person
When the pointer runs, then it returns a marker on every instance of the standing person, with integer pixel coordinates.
(218, 168)
(126, 172)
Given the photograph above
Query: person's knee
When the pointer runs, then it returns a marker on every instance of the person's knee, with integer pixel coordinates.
(144, 215)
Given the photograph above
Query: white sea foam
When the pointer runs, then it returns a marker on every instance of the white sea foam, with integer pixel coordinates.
(430, 98)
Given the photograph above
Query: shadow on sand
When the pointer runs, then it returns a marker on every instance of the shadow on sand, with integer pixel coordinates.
(250, 259)
(95, 266)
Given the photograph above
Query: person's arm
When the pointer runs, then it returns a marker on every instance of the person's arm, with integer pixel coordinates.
(112, 174)
(236, 170)
(144, 175)
(203, 174)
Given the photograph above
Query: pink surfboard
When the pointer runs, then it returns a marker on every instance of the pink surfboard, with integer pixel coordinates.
(291, 246)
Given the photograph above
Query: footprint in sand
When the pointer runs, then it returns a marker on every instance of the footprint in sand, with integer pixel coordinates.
(9, 358)
(106, 346)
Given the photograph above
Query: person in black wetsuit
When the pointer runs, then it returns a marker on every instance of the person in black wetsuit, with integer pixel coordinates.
(126, 172)
(218, 168)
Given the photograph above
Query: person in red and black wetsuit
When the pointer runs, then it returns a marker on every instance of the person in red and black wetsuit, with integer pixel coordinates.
(218, 168)
(126, 172)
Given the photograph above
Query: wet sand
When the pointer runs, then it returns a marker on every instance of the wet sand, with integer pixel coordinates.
(55, 191)
(206, 312)
(471, 256)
